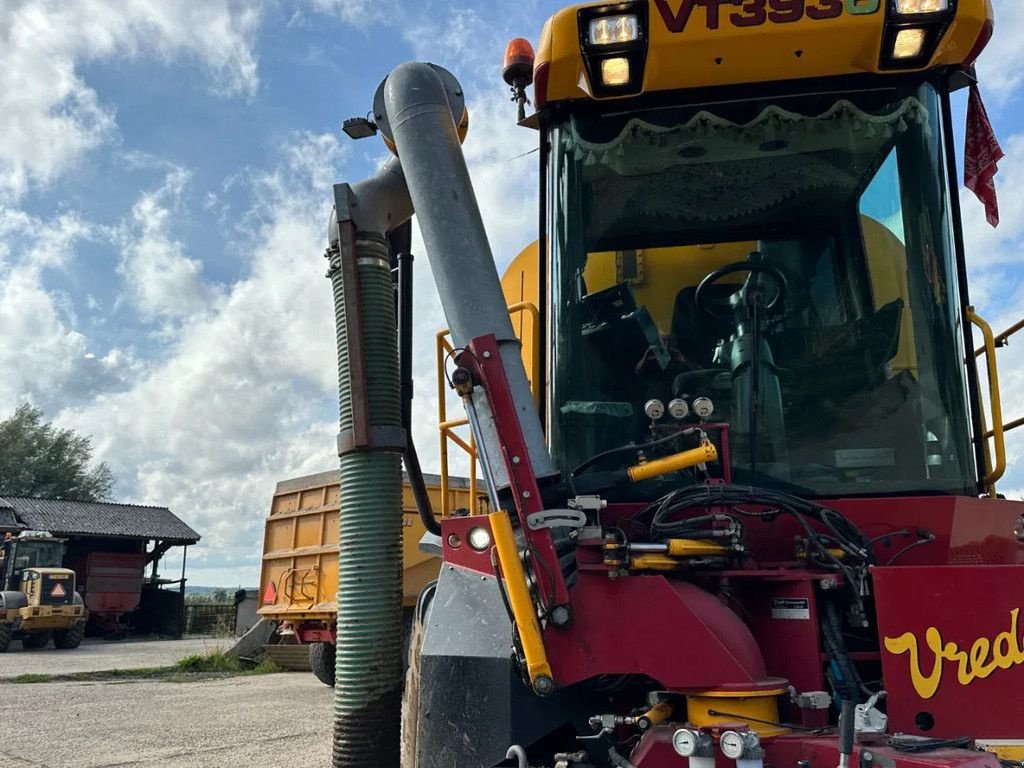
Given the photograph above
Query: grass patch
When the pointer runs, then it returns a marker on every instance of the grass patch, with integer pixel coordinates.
(213, 666)
(33, 678)
(214, 662)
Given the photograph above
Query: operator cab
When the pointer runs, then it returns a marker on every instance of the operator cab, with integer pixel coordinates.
(792, 262)
(22, 552)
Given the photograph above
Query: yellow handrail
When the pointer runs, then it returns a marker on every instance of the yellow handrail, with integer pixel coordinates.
(447, 427)
(999, 439)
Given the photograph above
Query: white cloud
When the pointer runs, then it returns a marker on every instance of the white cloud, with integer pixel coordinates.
(1001, 66)
(997, 286)
(244, 395)
(40, 350)
(163, 282)
(50, 116)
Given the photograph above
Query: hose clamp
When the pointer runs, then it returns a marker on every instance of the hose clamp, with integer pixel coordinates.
(379, 439)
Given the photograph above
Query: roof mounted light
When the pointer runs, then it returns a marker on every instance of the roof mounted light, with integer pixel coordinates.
(614, 30)
(914, 7)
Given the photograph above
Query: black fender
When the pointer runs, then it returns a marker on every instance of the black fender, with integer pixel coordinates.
(12, 600)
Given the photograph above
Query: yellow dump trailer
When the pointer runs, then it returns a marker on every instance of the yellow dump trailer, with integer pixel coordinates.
(299, 574)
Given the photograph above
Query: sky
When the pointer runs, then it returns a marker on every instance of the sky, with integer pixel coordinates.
(165, 184)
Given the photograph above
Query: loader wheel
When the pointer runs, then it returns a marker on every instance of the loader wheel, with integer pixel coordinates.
(321, 659)
(6, 630)
(35, 640)
(411, 697)
(69, 639)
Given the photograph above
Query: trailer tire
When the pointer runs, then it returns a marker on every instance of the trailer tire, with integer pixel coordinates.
(411, 697)
(6, 631)
(35, 640)
(321, 661)
(69, 639)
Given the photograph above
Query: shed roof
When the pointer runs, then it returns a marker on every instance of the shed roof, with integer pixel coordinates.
(89, 518)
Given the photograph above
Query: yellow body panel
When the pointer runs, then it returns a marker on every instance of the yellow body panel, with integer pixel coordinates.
(662, 272)
(887, 262)
(35, 618)
(699, 57)
(521, 284)
(300, 547)
(761, 707)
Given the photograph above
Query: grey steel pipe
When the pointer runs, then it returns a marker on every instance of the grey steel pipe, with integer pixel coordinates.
(419, 115)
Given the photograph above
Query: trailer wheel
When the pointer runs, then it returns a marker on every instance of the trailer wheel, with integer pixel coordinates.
(6, 630)
(69, 639)
(34, 640)
(321, 660)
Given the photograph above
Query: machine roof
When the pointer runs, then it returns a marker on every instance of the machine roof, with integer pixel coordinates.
(8, 520)
(86, 518)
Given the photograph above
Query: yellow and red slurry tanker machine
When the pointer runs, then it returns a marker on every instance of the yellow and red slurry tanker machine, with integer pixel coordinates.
(746, 512)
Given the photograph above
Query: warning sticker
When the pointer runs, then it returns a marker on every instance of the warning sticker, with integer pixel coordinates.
(798, 608)
(58, 590)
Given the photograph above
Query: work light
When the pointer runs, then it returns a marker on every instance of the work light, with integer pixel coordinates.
(614, 30)
(911, 7)
(613, 41)
(909, 43)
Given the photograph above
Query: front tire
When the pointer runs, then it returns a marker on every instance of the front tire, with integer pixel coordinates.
(6, 631)
(35, 640)
(321, 660)
(69, 639)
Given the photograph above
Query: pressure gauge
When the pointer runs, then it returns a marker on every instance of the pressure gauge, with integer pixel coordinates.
(678, 409)
(736, 745)
(703, 407)
(655, 409)
(684, 741)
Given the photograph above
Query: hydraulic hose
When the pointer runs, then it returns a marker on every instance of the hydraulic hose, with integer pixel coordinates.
(368, 662)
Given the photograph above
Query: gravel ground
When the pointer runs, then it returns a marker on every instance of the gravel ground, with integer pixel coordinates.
(102, 656)
(264, 721)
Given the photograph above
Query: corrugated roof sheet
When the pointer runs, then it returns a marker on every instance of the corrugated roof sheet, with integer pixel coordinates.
(87, 518)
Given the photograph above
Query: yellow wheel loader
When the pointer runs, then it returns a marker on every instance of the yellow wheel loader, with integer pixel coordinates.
(38, 601)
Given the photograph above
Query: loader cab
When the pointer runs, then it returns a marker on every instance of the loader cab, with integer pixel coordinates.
(780, 272)
(22, 553)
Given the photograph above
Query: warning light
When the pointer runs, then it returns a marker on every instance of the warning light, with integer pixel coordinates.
(58, 590)
(270, 594)
(518, 63)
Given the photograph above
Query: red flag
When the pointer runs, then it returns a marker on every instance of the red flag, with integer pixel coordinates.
(981, 156)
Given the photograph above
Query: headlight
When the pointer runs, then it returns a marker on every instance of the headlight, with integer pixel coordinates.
(479, 539)
(909, 7)
(615, 30)
(909, 43)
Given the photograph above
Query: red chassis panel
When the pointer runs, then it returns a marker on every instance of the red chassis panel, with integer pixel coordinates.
(952, 649)
(655, 751)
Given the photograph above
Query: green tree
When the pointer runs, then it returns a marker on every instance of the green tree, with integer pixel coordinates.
(38, 459)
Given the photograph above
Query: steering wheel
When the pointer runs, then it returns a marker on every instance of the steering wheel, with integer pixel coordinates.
(715, 309)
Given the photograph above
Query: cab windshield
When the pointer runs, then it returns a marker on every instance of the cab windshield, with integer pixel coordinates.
(789, 261)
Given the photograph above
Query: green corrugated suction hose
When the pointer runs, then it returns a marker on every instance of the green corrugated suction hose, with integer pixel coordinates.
(368, 663)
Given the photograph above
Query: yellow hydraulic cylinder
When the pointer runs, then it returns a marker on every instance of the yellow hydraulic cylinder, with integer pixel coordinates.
(703, 454)
(519, 599)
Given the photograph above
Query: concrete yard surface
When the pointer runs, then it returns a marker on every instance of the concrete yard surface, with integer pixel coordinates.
(269, 721)
(103, 656)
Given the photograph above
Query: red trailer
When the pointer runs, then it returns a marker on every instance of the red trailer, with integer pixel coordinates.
(111, 584)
